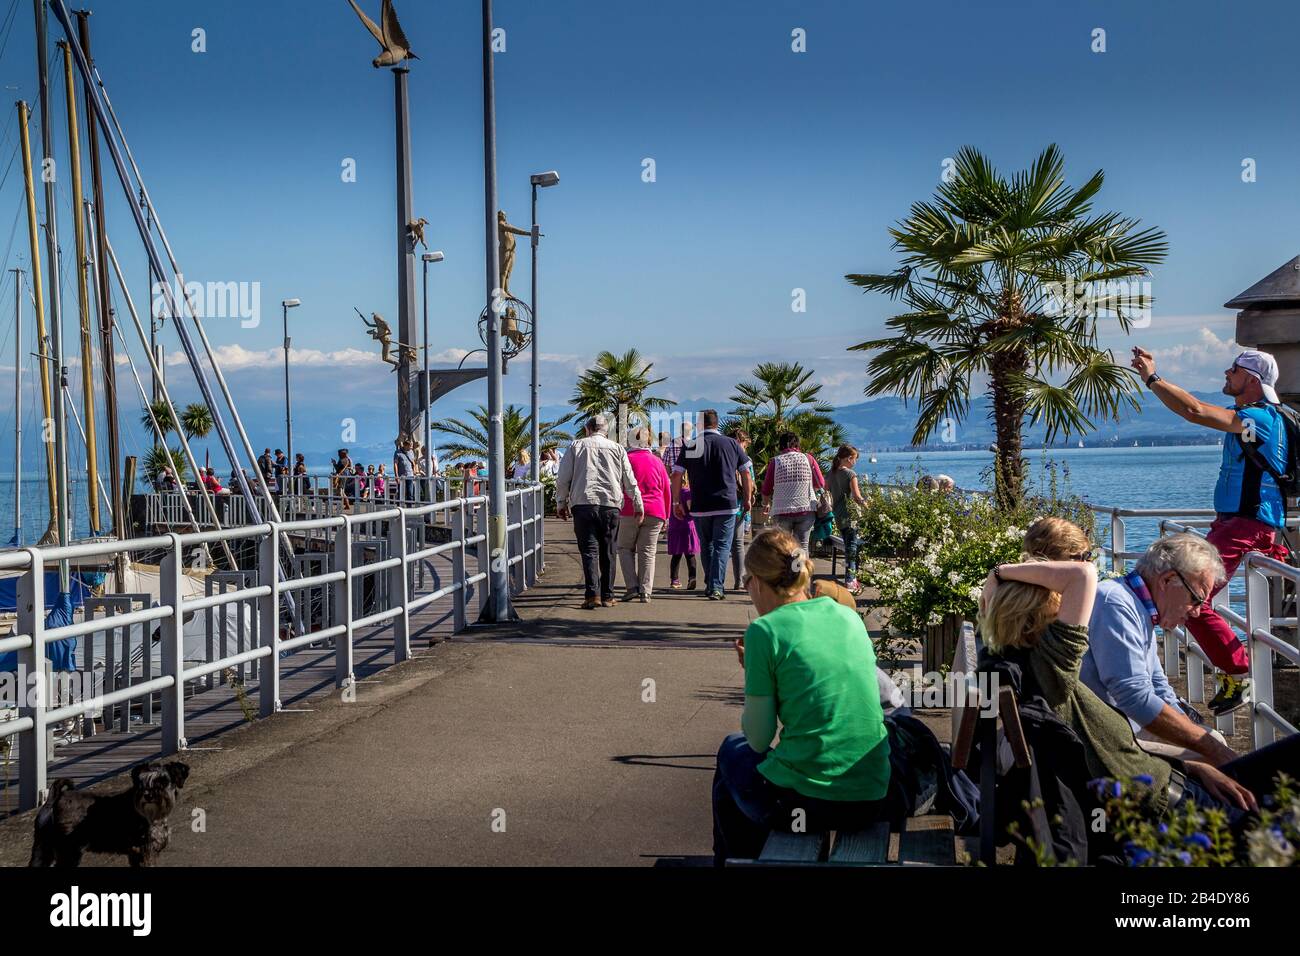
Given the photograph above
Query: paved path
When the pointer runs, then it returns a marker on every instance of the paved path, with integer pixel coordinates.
(541, 725)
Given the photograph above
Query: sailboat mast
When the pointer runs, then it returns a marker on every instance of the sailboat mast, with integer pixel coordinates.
(56, 313)
(18, 407)
(83, 300)
(38, 294)
(106, 349)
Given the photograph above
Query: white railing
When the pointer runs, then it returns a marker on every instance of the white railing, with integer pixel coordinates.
(268, 588)
(309, 496)
(1255, 574)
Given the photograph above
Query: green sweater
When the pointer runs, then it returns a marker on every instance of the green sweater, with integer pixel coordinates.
(1108, 741)
(815, 661)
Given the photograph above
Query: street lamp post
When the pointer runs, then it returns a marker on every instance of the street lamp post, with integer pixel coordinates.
(427, 258)
(549, 178)
(288, 304)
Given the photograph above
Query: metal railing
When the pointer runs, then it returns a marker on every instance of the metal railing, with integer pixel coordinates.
(391, 543)
(1256, 576)
(313, 496)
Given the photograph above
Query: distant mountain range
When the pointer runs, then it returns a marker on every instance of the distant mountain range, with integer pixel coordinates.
(886, 424)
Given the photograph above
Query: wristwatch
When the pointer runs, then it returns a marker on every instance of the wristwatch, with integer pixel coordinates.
(1152, 379)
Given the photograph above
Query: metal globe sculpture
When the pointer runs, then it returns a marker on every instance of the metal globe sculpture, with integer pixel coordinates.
(516, 327)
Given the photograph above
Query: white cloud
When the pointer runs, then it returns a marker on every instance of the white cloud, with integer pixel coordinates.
(1199, 364)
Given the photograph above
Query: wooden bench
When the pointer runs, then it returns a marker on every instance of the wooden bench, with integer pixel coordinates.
(925, 841)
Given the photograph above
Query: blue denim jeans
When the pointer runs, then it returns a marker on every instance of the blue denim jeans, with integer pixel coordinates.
(716, 533)
(747, 806)
(849, 533)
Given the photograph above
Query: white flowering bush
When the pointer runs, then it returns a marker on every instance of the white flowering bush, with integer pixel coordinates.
(928, 553)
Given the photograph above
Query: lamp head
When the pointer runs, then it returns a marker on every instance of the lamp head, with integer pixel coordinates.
(291, 303)
(432, 256)
(549, 178)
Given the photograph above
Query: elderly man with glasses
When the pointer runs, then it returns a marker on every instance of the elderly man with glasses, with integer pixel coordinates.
(1249, 504)
(1167, 588)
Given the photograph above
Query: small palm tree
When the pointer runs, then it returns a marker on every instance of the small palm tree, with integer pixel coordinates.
(781, 399)
(196, 419)
(471, 440)
(159, 457)
(618, 383)
(1003, 281)
(161, 412)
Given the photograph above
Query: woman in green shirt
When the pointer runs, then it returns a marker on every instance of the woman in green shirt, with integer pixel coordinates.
(810, 666)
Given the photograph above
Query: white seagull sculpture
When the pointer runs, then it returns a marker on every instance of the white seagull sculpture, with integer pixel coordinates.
(392, 41)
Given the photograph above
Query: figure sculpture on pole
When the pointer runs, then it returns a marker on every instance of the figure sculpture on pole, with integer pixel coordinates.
(506, 250)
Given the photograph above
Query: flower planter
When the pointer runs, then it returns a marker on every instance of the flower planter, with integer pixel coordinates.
(941, 643)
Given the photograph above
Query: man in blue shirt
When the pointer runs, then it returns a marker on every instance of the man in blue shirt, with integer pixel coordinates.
(711, 460)
(1122, 665)
(1248, 502)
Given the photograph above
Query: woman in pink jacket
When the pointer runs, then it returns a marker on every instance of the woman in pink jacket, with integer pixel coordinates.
(638, 540)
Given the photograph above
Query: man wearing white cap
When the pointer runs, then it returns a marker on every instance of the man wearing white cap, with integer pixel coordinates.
(1249, 505)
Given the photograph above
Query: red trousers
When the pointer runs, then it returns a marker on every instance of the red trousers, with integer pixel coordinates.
(1234, 537)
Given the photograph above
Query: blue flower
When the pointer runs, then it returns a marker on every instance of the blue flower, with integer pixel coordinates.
(1139, 857)
(1115, 789)
(1201, 840)
(1163, 828)
(1144, 779)
(1185, 858)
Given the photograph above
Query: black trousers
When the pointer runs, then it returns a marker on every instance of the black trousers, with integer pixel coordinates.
(596, 527)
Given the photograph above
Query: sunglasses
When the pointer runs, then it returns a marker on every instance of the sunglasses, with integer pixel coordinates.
(1190, 590)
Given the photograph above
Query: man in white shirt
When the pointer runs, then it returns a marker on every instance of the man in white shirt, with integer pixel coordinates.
(594, 476)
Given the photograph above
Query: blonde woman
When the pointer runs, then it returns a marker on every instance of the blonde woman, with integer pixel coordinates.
(809, 668)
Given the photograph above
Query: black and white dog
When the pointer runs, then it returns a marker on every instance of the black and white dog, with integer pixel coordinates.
(132, 823)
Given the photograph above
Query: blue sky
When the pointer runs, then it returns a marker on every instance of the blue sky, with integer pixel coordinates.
(775, 170)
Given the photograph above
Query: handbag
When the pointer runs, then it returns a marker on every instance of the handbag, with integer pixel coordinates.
(822, 503)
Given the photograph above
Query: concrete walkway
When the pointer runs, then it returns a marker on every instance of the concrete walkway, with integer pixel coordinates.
(572, 737)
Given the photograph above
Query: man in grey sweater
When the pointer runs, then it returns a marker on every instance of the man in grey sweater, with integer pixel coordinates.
(594, 476)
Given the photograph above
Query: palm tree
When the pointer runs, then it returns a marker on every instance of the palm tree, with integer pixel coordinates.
(618, 383)
(782, 400)
(1003, 280)
(196, 419)
(158, 458)
(471, 440)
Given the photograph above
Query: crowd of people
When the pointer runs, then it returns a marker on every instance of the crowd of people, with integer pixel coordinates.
(1081, 654)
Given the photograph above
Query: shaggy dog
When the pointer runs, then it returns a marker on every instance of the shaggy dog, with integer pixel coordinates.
(132, 823)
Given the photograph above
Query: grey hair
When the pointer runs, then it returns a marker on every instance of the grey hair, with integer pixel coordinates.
(1186, 553)
(639, 438)
(596, 424)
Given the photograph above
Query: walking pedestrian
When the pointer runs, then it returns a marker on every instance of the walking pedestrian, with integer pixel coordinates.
(683, 541)
(594, 476)
(844, 493)
(1250, 508)
(713, 461)
(790, 485)
(744, 516)
(638, 539)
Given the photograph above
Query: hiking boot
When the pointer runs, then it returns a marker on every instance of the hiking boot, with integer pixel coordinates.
(589, 604)
(1234, 692)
